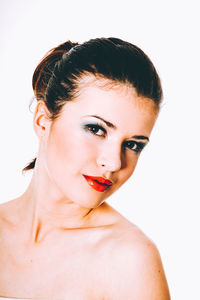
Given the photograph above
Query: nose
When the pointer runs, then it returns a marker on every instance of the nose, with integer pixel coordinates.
(110, 158)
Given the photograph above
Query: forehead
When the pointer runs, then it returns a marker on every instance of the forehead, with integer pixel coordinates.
(94, 87)
(118, 104)
(98, 91)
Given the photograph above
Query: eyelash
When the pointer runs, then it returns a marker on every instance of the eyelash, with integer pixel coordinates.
(97, 127)
(129, 144)
(139, 146)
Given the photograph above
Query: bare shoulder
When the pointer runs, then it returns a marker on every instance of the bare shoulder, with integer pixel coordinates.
(4, 207)
(135, 269)
(8, 213)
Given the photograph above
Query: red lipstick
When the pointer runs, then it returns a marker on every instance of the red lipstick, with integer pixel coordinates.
(100, 184)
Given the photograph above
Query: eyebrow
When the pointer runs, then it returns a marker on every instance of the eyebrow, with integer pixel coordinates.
(138, 137)
(107, 123)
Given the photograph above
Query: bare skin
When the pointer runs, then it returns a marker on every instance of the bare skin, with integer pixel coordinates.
(84, 263)
(63, 241)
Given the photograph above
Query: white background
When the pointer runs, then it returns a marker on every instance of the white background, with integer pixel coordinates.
(163, 194)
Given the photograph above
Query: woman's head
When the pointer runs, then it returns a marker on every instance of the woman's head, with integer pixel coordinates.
(97, 137)
(70, 67)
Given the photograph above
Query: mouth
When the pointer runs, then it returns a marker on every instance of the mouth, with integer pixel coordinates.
(99, 184)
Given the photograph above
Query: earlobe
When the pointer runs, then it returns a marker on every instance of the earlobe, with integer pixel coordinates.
(41, 121)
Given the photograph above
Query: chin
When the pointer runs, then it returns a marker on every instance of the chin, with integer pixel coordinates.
(91, 202)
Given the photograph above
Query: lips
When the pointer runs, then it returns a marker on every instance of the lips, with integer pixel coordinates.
(100, 184)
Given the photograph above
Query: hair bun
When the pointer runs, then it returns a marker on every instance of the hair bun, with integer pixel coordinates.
(65, 46)
(45, 69)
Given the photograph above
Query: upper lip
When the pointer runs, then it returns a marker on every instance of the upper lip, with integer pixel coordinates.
(100, 179)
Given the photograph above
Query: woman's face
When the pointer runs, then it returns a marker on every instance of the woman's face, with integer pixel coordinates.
(98, 136)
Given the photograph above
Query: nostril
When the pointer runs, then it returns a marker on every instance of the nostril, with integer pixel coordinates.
(110, 158)
(111, 165)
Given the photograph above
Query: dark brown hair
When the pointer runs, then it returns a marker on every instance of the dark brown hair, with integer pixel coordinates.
(57, 77)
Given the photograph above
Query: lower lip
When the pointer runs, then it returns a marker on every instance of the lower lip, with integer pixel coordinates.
(96, 185)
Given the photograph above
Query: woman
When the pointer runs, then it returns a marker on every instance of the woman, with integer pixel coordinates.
(97, 105)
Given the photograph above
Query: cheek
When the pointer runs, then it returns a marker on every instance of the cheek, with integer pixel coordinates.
(126, 172)
(60, 154)
(68, 150)
(131, 167)
(58, 148)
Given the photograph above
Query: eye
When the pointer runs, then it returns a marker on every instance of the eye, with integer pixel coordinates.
(95, 129)
(134, 146)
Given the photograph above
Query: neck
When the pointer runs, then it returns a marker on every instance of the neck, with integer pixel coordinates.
(47, 211)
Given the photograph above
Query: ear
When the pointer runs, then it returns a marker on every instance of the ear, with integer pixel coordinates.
(41, 121)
